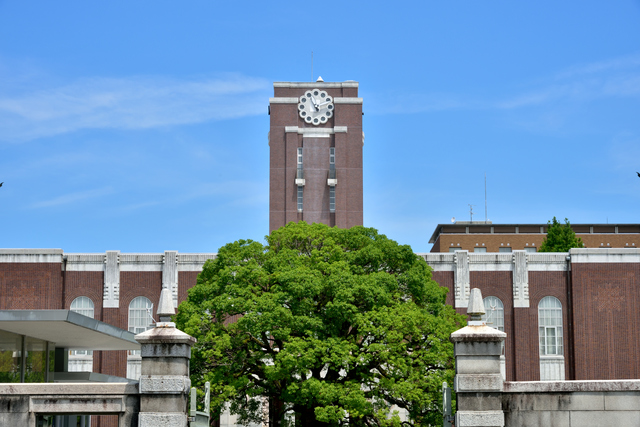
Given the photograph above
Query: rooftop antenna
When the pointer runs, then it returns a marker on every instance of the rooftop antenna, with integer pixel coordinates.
(485, 198)
(471, 211)
(311, 65)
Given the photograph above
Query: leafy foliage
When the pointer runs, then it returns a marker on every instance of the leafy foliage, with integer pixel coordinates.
(333, 324)
(560, 237)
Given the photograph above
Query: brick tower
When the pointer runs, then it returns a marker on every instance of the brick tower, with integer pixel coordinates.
(315, 140)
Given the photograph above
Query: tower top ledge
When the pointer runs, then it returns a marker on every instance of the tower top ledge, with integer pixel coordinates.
(319, 85)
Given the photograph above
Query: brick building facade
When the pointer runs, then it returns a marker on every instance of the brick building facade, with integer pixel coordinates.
(597, 293)
(315, 146)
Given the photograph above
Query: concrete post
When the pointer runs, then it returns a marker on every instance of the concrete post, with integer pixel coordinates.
(478, 381)
(164, 384)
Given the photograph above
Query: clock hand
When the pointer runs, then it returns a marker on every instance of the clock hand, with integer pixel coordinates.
(315, 103)
(325, 102)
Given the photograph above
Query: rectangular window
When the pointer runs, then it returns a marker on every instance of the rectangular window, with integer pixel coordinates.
(504, 249)
(300, 187)
(479, 249)
(332, 156)
(332, 199)
(299, 157)
(530, 250)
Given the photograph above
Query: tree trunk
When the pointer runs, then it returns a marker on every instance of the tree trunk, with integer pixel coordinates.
(306, 417)
(276, 412)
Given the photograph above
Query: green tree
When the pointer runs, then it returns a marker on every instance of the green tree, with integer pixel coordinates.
(333, 324)
(560, 237)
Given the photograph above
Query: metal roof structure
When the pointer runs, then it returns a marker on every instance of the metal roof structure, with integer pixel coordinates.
(67, 329)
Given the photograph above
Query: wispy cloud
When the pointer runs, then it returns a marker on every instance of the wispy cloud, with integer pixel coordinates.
(127, 103)
(73, 197)
(618, 77)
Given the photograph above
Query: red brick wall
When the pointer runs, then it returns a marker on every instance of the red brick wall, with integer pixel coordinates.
(186, 281)
(31, 286)
(446, 279)
(607, 326)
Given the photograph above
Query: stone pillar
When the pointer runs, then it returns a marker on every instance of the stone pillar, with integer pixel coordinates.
(478, 381)
(164, 384)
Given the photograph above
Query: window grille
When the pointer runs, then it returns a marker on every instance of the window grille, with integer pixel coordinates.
(84, 306)
(300, 188)
(332, 199)
(550, 326)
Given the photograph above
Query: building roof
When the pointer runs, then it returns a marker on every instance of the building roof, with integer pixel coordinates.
(456, 228)
(67, 329)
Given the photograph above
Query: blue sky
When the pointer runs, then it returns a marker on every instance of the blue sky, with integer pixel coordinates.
(142, 126)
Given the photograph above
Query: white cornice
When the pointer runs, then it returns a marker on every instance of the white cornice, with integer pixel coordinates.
(315, 132)
(611, 255)
(284, 100)
(345, 100)
(312, 85)
(336, 100)
(31, 255)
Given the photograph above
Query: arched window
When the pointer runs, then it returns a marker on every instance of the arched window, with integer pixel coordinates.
(550, 336)
(494, 313)
(550, 326)
(81, 360)
(83, 305)
(494, 316)
(140, 320)
(140, 315)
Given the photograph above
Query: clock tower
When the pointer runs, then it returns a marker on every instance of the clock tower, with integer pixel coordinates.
(315, 145)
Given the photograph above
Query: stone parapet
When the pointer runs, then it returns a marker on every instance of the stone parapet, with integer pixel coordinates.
(478, 382)
(165, 383)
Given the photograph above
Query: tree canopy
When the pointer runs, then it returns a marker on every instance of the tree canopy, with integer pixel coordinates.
(560, 237)
(334, 325)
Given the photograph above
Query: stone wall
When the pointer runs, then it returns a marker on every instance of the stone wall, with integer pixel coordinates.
(572, 403)
(21, 403)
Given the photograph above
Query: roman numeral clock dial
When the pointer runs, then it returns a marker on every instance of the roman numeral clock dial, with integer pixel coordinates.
(315, 106)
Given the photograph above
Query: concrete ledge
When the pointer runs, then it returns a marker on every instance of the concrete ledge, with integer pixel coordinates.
(603, 255)
(477, 382)
(173, 339)
(473, 334)
(31, 255)
(283, 100)
(480, 419)
(146, 419)
(76, 404)
(315, 132)
(34, 389)
(26, 251)
(570, 386)
(345, 100)
(165, 384)
(313, 85)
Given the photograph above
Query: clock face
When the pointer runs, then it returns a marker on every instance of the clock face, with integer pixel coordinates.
(315, 106)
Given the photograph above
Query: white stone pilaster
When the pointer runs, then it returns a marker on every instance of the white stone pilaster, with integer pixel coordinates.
(111, 295)
(170, 274)
(520, 279)
(461, 277)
